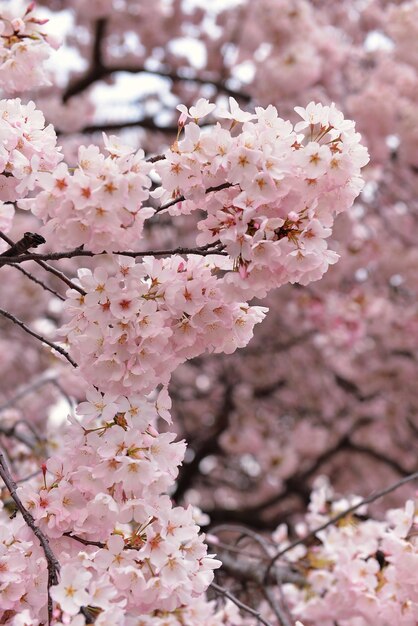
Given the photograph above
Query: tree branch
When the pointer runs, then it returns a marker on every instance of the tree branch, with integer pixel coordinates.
(368, 500)
(29, 240)
(211, 248)
(244, 607)
(38, 282)
(166, 206)
(52, 562)
(99, 72)
(52, 345)
(45, 266)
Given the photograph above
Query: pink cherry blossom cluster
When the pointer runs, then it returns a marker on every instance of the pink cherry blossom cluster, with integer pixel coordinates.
(24, 47)
(100, 203)
(133, 313)
(22, 569)
(283, 188)
(362, 570)
(28, 148)
(105, 486)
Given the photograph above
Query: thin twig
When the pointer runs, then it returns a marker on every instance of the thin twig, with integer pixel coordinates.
(26, 390)
(45, 266)
(38, 282)
(368, 500)
(85, 542)
(283, 620)
(163, 207)
(52, 562)
(61, 276)
(239, 604)
(52, 345)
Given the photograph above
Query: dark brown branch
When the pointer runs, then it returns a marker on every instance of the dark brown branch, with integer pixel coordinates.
(44, 265)
(189, 471)
(166, 206)
(52, 562)
(378, 456)
(146, 122)
(99, 72)
(38, 282)
(212, 248)
(52, 345)
(295, 484)
(29, 240)
(85, 542)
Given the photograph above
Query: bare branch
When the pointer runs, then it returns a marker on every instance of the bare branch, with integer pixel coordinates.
(29, 240)
(48, 268)
(38, 282)
(244, 607)
(27, 389)
(99, 72)
(52, 345)
(281, 616)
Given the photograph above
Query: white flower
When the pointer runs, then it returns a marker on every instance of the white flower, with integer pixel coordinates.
(71, 592)
(203, 107)
(236, 114)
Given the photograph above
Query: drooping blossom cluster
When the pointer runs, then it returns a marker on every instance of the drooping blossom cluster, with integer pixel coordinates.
(100, 203)
(24, 47)
(105, 485)
(133, 313)
(360, 571)
(28, 148)
(283, 189)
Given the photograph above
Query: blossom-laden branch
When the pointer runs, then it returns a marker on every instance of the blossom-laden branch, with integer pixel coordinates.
(79, 252)
(41, 338)
(334, 520)
(52, 562)
(166, 206)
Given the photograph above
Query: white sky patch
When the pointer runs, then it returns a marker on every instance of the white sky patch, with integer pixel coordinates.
(192, 49)
(120, 100)
(66, 59)
(376, 40)
(244, 72)
(59, 413)
(214, 6)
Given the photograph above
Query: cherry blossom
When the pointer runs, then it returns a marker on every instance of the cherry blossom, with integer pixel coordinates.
(168, 428)
(24, 47)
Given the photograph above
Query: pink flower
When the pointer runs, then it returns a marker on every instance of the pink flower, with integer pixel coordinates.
(71, 593)
(236, 114)
(202, 108)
